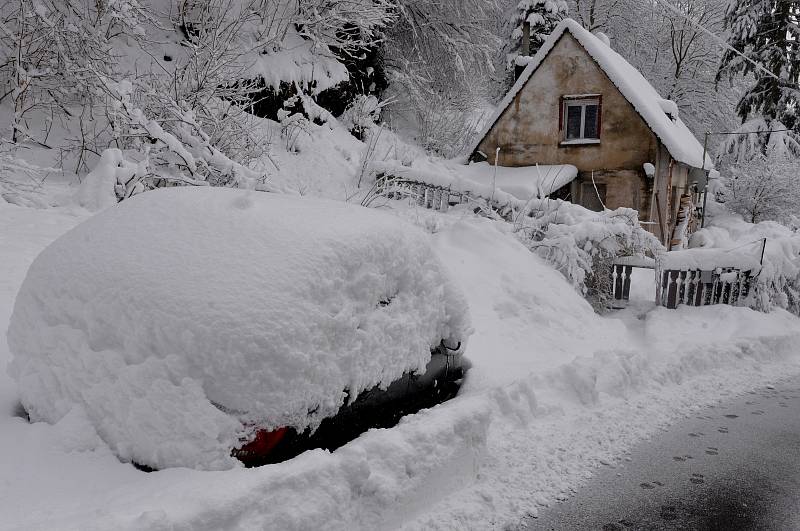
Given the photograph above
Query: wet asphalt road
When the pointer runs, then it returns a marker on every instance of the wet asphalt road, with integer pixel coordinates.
(735, 466)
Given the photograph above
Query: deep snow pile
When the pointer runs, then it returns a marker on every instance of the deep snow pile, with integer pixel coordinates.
(175, 317)
(554, 392)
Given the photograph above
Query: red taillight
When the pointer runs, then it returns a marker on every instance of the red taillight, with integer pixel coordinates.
(264, 442)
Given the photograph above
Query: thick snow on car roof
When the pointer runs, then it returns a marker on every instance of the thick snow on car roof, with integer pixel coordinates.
(177, 315)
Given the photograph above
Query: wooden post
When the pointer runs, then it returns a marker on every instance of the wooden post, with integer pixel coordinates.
(626, 285)
(660, 219)
(672, 290)
(682, 287)
(705, 195)
(698, 296)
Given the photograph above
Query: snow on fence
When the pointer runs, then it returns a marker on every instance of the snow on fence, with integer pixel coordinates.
(436, 197)
(426, 195)
(700, 277)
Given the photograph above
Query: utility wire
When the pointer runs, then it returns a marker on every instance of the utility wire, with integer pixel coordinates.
(749, 132)
(719, 39)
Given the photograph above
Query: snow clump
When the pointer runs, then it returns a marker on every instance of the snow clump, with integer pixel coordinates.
(180, 319)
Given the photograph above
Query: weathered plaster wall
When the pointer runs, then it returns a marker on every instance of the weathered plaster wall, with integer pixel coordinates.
(528, 131)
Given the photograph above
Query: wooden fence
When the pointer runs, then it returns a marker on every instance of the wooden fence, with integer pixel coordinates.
(621, 272)
(724, 285)
(426, 195)
(436, 197)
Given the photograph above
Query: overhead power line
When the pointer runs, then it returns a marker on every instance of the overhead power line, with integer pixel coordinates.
(719, 39)
(768, 131)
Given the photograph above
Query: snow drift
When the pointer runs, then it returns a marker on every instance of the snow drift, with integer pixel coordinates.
(181, 316)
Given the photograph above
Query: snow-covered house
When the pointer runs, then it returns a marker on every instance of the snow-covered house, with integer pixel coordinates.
(579, 102)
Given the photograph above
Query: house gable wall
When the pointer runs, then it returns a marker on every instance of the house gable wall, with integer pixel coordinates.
(527, 132)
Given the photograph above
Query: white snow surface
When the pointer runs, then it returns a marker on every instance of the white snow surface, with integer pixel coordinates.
(173, 318)
(711, 259)
(555, 392)
(676, 136)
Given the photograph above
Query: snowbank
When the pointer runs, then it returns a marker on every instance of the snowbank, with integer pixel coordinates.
(711, 259)
(180, 314)
(555, 391)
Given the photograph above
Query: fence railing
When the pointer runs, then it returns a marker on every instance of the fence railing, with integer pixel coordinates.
(426, 195)
(435, 197)
(724, 285)
(621, 273)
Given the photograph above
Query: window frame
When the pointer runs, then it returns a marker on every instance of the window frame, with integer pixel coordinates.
(582, 101)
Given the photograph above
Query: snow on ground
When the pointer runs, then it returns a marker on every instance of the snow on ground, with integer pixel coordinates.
(555, 392)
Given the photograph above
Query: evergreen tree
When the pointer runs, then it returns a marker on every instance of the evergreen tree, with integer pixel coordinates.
(768, 32)
(543, 16)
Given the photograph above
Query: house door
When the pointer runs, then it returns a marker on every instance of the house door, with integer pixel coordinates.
(589, 196)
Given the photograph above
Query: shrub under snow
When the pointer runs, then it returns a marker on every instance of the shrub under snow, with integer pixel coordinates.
(177, 319)
(582, 244)
(778, 280)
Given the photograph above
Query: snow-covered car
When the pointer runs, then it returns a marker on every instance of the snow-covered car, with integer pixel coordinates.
(191, 326)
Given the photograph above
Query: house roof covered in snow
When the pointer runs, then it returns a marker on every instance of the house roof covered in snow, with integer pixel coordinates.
(660, 115)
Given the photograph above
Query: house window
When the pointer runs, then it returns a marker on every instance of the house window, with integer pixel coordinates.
(581, 119)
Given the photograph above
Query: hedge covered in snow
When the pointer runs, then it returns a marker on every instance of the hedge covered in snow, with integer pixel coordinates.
(582, 244)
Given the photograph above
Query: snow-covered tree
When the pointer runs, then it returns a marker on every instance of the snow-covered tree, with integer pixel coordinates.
(765, 188)
(54, 51)
(768, 33)
(760, 167)
(440, 57)
(541, 16)
(672, 52)
(596, 15)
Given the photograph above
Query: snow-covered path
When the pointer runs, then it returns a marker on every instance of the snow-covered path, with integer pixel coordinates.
(731, 466)
(555, 392)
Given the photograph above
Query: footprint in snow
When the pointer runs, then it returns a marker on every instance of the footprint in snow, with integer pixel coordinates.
(668, 512)
(758, 412)
(712, 451)
(647, 486)
(679, 458)
(697, 479)
(694, 435)
(658, 483)
(722, 429)
(731, 416)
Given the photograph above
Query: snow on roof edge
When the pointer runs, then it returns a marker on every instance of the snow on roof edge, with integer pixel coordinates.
(674, 134)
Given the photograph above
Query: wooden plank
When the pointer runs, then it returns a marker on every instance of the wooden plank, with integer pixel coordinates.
(616, 273)
(626, 284)
(672, 290)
